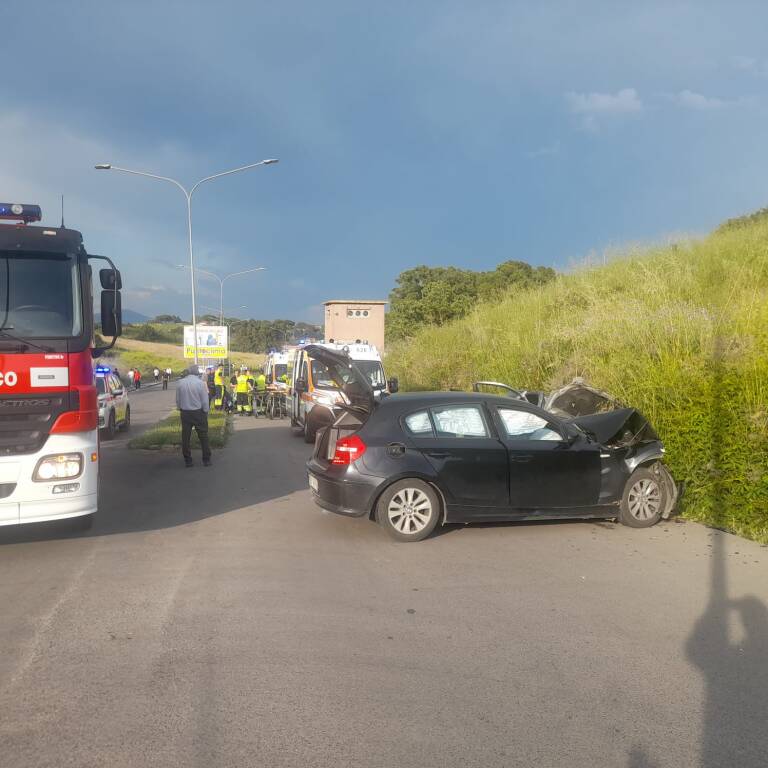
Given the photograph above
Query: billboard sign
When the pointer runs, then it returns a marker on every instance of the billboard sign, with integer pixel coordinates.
(212, 342)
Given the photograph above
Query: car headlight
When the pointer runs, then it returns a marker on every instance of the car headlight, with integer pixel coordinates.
(58, 467)
(322, 398)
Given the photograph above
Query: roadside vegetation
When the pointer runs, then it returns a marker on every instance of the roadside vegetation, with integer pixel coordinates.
(250, 336)
(435, 295)
(679, 332)
(145, 355)
(167, 433)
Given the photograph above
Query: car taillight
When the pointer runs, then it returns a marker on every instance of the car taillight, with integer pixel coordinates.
(348, 449)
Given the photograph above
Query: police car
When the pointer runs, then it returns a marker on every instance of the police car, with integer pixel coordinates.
(114, 408)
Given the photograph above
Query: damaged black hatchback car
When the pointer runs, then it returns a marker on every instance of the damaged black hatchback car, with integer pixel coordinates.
(415, 461)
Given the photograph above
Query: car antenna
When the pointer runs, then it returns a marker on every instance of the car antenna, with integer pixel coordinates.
(62, 212)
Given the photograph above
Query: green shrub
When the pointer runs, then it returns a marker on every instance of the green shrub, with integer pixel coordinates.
(680, 332)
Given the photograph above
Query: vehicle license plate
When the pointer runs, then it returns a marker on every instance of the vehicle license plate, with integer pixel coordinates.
(313, 482)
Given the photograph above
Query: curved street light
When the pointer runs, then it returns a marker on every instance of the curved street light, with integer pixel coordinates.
(222, 280)
(188, 194)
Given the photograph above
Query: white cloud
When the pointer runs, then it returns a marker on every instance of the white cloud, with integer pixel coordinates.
(692, 100)
(591, 106)
(624, 101)
(751, 64)
(698, 101)
(546, 150)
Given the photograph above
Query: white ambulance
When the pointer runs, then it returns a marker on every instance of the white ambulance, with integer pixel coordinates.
(313, 393)
(277, 369)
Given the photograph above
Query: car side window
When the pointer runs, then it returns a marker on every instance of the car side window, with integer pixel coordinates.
(116, 385)
(459, 421)
(522, 425)
(419, 424)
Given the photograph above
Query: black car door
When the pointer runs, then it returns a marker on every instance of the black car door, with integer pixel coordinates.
(470, 462)
(548, 471)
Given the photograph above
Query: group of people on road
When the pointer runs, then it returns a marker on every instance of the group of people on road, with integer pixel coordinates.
(240, 393)
(243, 391)
(134, 377)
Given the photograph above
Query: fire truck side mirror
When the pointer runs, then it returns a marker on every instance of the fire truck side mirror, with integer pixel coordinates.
(111, 312)
(110, 279)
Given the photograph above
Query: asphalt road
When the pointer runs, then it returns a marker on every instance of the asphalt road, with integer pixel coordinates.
(215, 617)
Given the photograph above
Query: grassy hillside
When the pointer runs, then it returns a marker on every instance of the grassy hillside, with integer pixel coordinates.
(680, 332)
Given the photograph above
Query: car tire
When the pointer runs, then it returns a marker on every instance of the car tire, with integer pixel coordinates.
(643, 500)
(111, 428)
(309, 433)
(409, 510)
(127, 422)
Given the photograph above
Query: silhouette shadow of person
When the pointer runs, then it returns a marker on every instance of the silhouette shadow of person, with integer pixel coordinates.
(729, 645)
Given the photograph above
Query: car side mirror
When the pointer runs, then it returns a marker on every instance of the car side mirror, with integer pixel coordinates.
(111, 313)
(300, 385)
(393, 385)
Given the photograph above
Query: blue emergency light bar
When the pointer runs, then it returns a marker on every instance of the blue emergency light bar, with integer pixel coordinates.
(102, 369)
(20, 212)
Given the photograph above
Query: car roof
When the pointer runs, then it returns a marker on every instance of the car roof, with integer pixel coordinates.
(428, 398)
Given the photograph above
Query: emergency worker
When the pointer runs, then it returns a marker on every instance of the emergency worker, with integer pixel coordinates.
(241, 391)
(218, 386)
(261, 382)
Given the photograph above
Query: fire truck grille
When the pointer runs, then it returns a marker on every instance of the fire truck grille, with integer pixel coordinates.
(26, 421)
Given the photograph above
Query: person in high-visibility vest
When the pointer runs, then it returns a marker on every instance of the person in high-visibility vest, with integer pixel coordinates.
(242, 391)
(218, 385)
(261, 382)
(251, 393)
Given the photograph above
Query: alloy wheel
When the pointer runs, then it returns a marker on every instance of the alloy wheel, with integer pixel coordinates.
(410, 511)
(644, 499)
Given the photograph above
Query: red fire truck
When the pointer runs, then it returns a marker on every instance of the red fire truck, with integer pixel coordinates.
(49, 418)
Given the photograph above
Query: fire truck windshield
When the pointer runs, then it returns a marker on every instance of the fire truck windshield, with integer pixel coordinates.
(40, 295)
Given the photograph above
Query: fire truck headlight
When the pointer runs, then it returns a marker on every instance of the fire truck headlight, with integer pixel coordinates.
(58, 467)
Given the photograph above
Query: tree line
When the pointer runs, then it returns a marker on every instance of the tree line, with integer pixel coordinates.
(436, 295)
(256, 336)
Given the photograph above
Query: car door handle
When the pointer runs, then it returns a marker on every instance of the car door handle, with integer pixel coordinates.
(437, 454)
(522, 458)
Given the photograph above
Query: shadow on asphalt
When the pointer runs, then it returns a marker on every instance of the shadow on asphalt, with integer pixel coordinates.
(151, 490)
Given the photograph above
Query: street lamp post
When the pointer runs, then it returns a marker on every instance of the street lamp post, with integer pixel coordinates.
(222, 280)
(188, 194)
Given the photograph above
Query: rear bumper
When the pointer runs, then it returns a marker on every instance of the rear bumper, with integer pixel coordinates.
(343, 495)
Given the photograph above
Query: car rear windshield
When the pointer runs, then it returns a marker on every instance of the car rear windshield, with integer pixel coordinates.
(40, 295)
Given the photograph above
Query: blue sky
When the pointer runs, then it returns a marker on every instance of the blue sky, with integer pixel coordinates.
(462, 133)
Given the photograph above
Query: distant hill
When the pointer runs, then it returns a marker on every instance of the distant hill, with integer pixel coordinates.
(129, 316)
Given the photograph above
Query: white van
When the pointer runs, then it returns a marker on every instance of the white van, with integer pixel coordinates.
(314, 394)
(277, 369)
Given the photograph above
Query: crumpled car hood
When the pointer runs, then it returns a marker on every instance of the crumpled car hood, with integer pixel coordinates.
(579, 399)
(620, 427)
